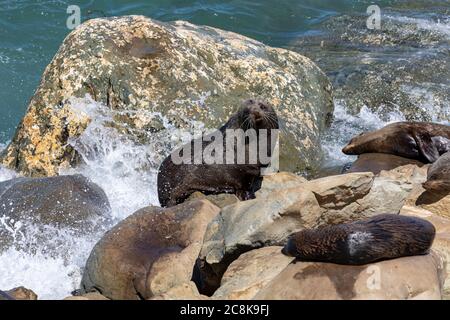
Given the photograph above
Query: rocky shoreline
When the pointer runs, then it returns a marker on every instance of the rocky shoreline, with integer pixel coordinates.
(152, 75)
(198, 250)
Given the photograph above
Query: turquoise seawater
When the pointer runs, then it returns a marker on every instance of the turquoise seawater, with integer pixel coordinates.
(32, 30)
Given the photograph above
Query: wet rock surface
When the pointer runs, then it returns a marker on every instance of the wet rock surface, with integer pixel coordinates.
(148, 253)
(66, 202)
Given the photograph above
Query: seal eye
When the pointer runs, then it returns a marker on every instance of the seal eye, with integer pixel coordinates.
(262, 106)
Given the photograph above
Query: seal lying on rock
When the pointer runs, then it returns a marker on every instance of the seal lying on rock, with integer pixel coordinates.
(382, 237)
(423, 141)
(177, 181)
(438, 178)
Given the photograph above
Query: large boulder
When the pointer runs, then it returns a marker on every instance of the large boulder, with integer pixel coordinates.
(419, 277)
(441, 243)
(269, 220)
(72, 202)
(251, 272)
(148, 253)
(136, 66)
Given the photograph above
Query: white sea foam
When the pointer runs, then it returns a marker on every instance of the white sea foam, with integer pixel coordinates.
(5, 173)
(124, 168)
(51, 261)
(438, 110)
(347, 125)
(440, 26)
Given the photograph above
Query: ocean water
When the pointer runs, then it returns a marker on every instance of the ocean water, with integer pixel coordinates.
(329, 32)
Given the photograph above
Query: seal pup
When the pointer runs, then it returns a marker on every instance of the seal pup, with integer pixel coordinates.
(438, 176)
(176, 182)
(386, 236)
(423, 141)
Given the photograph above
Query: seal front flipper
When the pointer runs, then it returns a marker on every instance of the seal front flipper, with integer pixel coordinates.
(426, 146)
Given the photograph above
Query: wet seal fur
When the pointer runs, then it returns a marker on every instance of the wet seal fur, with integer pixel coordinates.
(386, 236)
(438, 177)
(423, 141)
(177, 182)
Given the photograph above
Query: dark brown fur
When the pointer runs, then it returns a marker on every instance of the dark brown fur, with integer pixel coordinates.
(423, 141)
(438, 178)
(177, 182)
(385, 236)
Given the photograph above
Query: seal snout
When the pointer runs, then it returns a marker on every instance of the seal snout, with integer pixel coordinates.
(347, 149)
(289, 249)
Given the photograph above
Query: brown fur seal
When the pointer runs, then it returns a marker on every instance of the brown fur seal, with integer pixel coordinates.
(176, 182)
(385, 236)
(438, 178)
(423, 141)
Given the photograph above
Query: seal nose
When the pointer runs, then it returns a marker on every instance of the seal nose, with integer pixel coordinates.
(289, 249)
(347, 149)
(256, 113)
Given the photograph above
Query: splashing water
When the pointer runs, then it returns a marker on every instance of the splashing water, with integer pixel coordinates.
(5, 174)
(346, 125)
(51, 261)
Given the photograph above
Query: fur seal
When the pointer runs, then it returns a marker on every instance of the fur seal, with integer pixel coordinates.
(438, 177)
(386, 236)
(176, 182)
(423, 141)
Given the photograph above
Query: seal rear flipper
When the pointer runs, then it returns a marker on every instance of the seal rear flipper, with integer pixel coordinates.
(426, 146)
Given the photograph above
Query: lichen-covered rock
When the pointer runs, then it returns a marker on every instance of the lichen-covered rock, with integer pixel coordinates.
(418, 277)
(148, 253)
(136, 65)
(250, 273)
